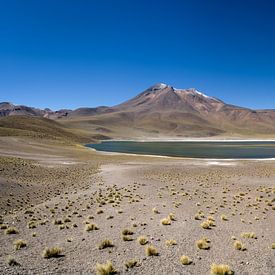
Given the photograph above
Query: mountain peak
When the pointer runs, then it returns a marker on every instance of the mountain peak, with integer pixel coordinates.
(158, 86)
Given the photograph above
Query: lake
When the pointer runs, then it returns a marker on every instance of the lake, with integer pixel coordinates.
(193, 149)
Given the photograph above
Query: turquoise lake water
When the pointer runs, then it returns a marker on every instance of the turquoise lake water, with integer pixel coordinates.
(205, 149)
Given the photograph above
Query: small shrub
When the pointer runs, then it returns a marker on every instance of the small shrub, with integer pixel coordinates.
(203, 244)
(170, 242)
(105, 269)
(185, 260)
(224, 218)
(239, 246)
(3, 226)
(18, 244)
(155, 210)
(172, 217)
(165, 221)
(142, 240)
(127, 232)
(151, 251)
(105, 243)
(91, 227)
(206, 225)
(57, 222)
(250, 235)
(131, 263)
(11, 230)
(12, 261)
(51, 252)
(31, 224)
(221, 269)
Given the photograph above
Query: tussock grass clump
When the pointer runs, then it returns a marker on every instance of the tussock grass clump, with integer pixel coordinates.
(150, 250)
(131, 263)
(203, 244)
(239, 246)
(18, 244)
(3, 226)
(52, 252)
(273, 246)
(250, 235)
(185, 260)
(105, 269)
(170, 242)
(172, 217)
(165, 221)
(142, 240)
(105, 243)
(31, 224)
(127, 232)
(155, 210)
(11, 230)
(221, 269)
(127, 238)
(206, 225)
(57, 222)
(12, 261)
(91, 227)
(224, 218)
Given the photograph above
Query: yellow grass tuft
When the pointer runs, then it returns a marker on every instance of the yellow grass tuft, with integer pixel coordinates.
(221, 269)
(170, 242)
(91, 227)
(105, 269)
(142, 240)
(52, 252)
(203, 244)
(11, 230)
(165, 221)
(239, 246)
(105, 243)
(151, 251)
(131, 263)
(18, 244)
(185, 260)
(250, 235)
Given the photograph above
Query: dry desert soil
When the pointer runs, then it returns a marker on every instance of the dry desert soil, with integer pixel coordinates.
(140, 213)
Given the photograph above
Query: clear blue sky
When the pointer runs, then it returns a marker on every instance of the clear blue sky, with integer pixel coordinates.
(72, 53)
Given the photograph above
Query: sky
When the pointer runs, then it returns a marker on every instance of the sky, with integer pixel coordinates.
(75, 53)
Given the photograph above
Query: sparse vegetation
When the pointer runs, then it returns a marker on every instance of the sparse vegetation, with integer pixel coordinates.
(221, 269)
(12, 261)
(52, 252)
(142, 240)
(91, 227)
(11, 230)
(203, 244)
(239, 246)
(185, 260)
(105, 269)
(18, 244)
(249, 235)
(170, 242)
(150, 250)
(165, 221)
(105, 243)
(131, 263)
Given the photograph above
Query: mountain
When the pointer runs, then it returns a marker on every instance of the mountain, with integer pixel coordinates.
(162, 111)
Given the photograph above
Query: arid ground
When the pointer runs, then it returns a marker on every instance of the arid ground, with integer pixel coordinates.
(141, 213)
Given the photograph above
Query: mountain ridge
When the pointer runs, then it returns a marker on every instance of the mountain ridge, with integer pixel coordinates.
(160, 110)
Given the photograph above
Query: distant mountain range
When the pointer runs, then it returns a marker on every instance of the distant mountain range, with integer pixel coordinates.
(160, 111)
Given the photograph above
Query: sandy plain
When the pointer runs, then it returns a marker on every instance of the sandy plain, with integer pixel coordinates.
(51, 195)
